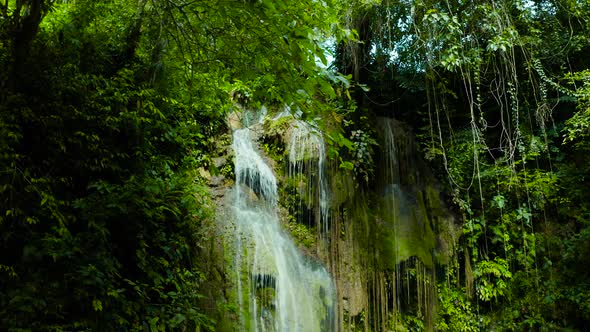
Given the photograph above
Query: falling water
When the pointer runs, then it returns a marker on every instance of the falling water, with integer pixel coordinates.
(305, 147)
(412, 281)
(277, 288)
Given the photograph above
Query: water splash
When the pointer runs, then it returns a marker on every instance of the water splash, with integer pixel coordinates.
(278, 289)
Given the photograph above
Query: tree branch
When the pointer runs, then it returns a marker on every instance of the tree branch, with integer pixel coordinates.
(4, 9)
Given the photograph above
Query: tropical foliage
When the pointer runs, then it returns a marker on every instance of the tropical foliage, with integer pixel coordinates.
(109, 108)
(498, 95)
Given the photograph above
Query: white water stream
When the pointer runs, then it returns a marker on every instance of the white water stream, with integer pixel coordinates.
(307, 144)
(278, 289)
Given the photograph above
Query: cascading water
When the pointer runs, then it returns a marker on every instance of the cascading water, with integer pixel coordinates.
(277, 288)
(306, 145)
(411, 238)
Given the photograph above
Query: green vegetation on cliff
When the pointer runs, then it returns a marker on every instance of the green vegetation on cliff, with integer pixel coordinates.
(109, 108)
(497, 93)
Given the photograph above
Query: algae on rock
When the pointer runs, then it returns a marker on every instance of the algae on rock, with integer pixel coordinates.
(381, 242)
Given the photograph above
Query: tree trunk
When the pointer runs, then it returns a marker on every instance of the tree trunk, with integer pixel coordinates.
(24, 30)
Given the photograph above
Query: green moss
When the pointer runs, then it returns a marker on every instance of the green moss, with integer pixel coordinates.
(395, 249)
(433, 199)
(296, 192)
(405, 231)
(278, 126)
(227, 170)
(355, 323)
(442, 224)
(302, 234)
(294, 197)
(274, 148)
(265, 295)
(272, 141)
(342, 187)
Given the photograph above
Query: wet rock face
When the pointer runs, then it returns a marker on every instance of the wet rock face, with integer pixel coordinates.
(412, 204)
(219, 162)
(212, 180)
(275, 287)
(234, 120)
(403, 226)
(381, 244)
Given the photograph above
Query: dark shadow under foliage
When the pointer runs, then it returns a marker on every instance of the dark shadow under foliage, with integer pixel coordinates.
(101, 212)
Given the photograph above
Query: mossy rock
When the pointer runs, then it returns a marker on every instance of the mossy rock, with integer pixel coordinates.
(302, 234)
(404, 230)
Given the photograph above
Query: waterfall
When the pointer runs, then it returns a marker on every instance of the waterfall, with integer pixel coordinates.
(305, 146)
(278, 289)
(410, 239)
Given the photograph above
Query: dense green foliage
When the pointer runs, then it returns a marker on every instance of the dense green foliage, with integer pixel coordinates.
(498, 95)
(107, 110)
